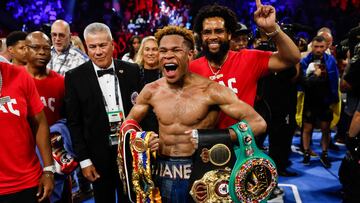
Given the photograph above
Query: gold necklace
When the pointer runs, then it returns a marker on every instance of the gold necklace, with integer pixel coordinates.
(216, 74)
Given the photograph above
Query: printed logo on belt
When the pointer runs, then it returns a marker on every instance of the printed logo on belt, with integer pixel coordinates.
(212, 187)
(173, 171)
(255, 180)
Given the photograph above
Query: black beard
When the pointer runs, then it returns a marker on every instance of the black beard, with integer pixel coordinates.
(219, 56)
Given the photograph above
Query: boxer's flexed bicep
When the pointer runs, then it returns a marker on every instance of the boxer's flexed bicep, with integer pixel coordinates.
(237, 109)
(227, 101)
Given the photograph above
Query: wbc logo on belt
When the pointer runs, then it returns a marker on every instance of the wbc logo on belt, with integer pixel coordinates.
(254, 175)
(255, 180)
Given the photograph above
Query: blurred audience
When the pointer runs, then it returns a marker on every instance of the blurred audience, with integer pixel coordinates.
(133, 47)
(76, 42)
(240, 38)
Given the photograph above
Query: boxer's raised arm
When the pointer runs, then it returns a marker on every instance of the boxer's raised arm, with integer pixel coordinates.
(287, 53)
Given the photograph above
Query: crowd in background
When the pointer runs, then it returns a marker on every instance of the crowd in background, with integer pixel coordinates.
(126, 18)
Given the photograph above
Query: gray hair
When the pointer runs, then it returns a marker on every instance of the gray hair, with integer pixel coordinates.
(140, 54)
(94, 28)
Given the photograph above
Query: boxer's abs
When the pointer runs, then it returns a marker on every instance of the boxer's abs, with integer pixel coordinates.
(176, 146)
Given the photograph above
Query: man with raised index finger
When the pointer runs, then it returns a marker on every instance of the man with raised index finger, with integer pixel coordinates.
(241, 70)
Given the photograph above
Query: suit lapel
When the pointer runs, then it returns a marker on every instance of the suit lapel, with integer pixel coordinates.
(94, 81)
(120, 72)
(94, 84)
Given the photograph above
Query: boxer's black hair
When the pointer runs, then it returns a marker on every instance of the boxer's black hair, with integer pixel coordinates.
(176, 30)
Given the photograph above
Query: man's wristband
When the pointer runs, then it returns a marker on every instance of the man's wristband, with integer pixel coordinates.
(274, 33)
(50, 168)
(48, 174)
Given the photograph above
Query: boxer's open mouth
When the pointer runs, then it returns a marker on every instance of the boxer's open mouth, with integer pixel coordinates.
(170, 66)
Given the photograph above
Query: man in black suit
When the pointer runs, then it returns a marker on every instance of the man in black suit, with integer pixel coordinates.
(98, 96)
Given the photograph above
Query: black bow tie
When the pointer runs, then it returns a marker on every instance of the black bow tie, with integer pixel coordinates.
(104, 72)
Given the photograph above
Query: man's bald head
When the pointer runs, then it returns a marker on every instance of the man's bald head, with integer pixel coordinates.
(63, 24)
(60, 35)
(37, 35)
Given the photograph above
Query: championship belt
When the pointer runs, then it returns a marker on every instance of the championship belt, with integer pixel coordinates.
(141, 174)
(125, 159)
(254, 175)
(213, 161)
(212, 187)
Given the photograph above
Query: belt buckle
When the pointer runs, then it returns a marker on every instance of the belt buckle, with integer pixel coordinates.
(212, 187)
(139, 145)
(218, 155)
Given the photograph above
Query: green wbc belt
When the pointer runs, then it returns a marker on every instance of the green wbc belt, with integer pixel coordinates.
(254, 174)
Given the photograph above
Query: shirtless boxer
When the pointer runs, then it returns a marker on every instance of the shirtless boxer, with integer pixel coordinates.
(183, 101)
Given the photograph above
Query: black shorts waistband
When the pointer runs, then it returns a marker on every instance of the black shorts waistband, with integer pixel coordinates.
(172, 158)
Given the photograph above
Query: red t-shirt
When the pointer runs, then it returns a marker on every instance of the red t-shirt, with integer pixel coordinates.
(51, 90)
(240, 72)
(20, 168)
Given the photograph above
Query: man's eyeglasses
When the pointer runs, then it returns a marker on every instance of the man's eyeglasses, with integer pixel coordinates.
(59, 35)
(38, 48)
(219, 31)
